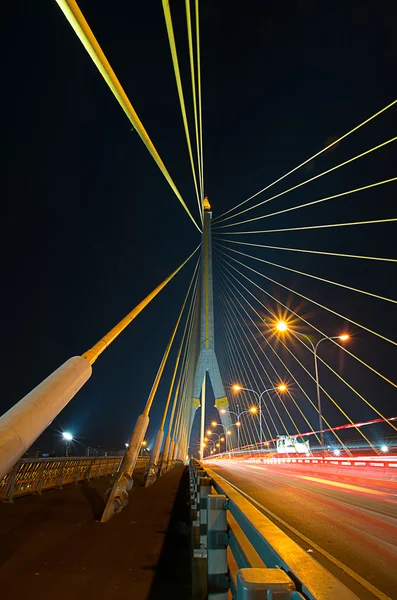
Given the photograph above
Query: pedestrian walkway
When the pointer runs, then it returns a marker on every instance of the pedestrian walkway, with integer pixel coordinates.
(52, 546)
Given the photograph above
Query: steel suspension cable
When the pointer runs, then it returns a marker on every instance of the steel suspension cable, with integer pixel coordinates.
(235, 367)
(314, 302)
(238, 367)
(87, 38)
(326, 198)
(297, 360)
(288, 392)
(194, 93)
(321, 360)
(200, 112)
(230, 368)
(303, 250)
(278, 377)
(256, 380)
(337, 284)
(273, 404)
(374, 221)
(92, 354)
(311, 158)
(263, 384)
(195, 279)
(299, 185)
(271, 346)
(183, 346)
(175, 62)
(179, 392)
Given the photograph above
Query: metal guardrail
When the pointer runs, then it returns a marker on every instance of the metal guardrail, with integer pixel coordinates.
(30, 476)
(247, 555)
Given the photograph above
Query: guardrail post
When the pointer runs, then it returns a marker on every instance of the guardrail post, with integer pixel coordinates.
(60, 476)
(40, 479)
(217, 542)
(199, 473)
(9, 491)
(201, 521)
(77, 472)
(255, 584)
(205, 490)
(88, 474)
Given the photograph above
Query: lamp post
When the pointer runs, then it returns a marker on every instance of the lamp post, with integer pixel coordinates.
(67, 438)
(281, 388)
(219, 436)
(238, 416)
(282, 326)
(226, 431)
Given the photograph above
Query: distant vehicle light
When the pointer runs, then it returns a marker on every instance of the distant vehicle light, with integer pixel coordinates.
(337, 452)
(384, 448)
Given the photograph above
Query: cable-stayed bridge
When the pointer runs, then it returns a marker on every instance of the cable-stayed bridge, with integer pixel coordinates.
(271, 385)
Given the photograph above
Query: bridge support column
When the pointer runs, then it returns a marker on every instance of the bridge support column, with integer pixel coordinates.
(117, 496)
(154, 458)
(24, 422)
(171, 455)
(165, 455)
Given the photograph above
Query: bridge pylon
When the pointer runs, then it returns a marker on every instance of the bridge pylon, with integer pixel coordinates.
(207, 362)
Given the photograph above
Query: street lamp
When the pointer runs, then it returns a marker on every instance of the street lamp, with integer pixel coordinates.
(67, 438)
(238, 415)
(281, 388)
(282, 326)
(220, 438)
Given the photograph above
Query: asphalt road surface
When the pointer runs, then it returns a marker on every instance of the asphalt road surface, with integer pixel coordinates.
(347, 522)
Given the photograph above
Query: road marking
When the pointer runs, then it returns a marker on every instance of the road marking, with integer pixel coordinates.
(347, 486)
(363, 582)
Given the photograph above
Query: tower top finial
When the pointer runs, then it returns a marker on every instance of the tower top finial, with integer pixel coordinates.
(206, 204)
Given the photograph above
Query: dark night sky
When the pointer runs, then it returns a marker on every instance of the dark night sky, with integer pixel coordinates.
(89, 225)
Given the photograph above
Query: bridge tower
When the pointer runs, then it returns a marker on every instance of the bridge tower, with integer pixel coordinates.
(207, 362)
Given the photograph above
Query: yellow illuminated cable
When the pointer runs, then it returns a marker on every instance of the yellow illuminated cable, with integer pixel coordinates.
(304, 320)
(270, 345)
(341, 285)
(325, 392)
(87, 38)
(273, 350)
(295, 187)
(311, 158)
(374, 221)
(360, 189)
(237, 320)
(180, 350)
(393, 260)
(344, 348)
(92, 354)
(160, 371)
(200, 112)
(194, 95)
(355, 391)
(176, 395)
(238, 364)
(174, 55)
(382, 337)
(238, 369)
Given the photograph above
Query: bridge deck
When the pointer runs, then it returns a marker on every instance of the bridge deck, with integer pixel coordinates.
(53, 548)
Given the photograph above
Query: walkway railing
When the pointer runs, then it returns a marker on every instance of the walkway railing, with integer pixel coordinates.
(247, 555)
(30, 476)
